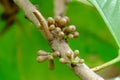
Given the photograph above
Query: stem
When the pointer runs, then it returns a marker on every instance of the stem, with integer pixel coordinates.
(113, 61)
(34, 16)
(81, 70)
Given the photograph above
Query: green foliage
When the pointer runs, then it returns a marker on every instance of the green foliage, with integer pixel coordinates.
(110, 11)
(18, 47)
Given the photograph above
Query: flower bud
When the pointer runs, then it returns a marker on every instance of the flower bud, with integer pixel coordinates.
(66, 30)
(57, 20)
(57, 29)
(70, 36)
(50, 20)
(72, 28)
(56, 54)
(51, 65)
(61, 34)
(50, 57)
(76, 34)
(41, 58)
(42, 53)
(62, 22)
(69, 54)
(63, 61)
(81, 61)
(76, 53)
(67, 19)
(52, 27)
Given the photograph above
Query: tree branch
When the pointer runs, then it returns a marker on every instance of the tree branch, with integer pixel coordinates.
(58, 44)
(30, 10)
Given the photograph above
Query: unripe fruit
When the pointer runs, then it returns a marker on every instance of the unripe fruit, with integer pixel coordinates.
(70, 36)
(51, 65)
(52, 27)
(41, 58)
(42, 53)
(72, 28)
(76, 34)
(61, 34)
(50, 20)
(63, 61)
(76, 53)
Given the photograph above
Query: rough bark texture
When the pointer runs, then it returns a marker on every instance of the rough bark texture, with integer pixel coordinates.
(81, 70)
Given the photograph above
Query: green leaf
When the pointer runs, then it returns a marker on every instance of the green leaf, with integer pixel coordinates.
(110, 11)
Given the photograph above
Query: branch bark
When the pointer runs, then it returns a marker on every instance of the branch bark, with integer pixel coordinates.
(81, 70)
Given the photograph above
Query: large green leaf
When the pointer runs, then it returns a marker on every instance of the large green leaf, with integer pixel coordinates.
(110, 11)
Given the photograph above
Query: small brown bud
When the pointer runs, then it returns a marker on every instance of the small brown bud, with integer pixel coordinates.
(57, 29)
(81, 61)
(76, 53)
(52, 27)
(63, 61)
(51, 65)
(69, 54)
(57, 19)
(62, 22)
(42, 53)
(41, 58)
(67, 19)
(76, 34)
(61, 34)
(50, 20)
(50, 57)
(66, 30)
(70, 36)
(56, 54)
(72, 28)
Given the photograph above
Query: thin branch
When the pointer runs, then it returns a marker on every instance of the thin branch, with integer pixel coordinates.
(34, 16)
(113, 61)
(44, 25)
(81, 70)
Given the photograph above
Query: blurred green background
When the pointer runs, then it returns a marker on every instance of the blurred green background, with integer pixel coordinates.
(19, 45)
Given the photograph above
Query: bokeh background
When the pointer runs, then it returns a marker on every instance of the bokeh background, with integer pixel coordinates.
(20, 42)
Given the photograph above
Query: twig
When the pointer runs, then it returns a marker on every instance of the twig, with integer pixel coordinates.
(44, 25)
(113, 61)
(34, 16)
(81, 70)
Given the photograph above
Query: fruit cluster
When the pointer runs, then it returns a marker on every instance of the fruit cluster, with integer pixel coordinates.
(59, 26)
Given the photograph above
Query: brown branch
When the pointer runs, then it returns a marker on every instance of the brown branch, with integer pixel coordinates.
(44, 25)
(34, 16)
(81, 70)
